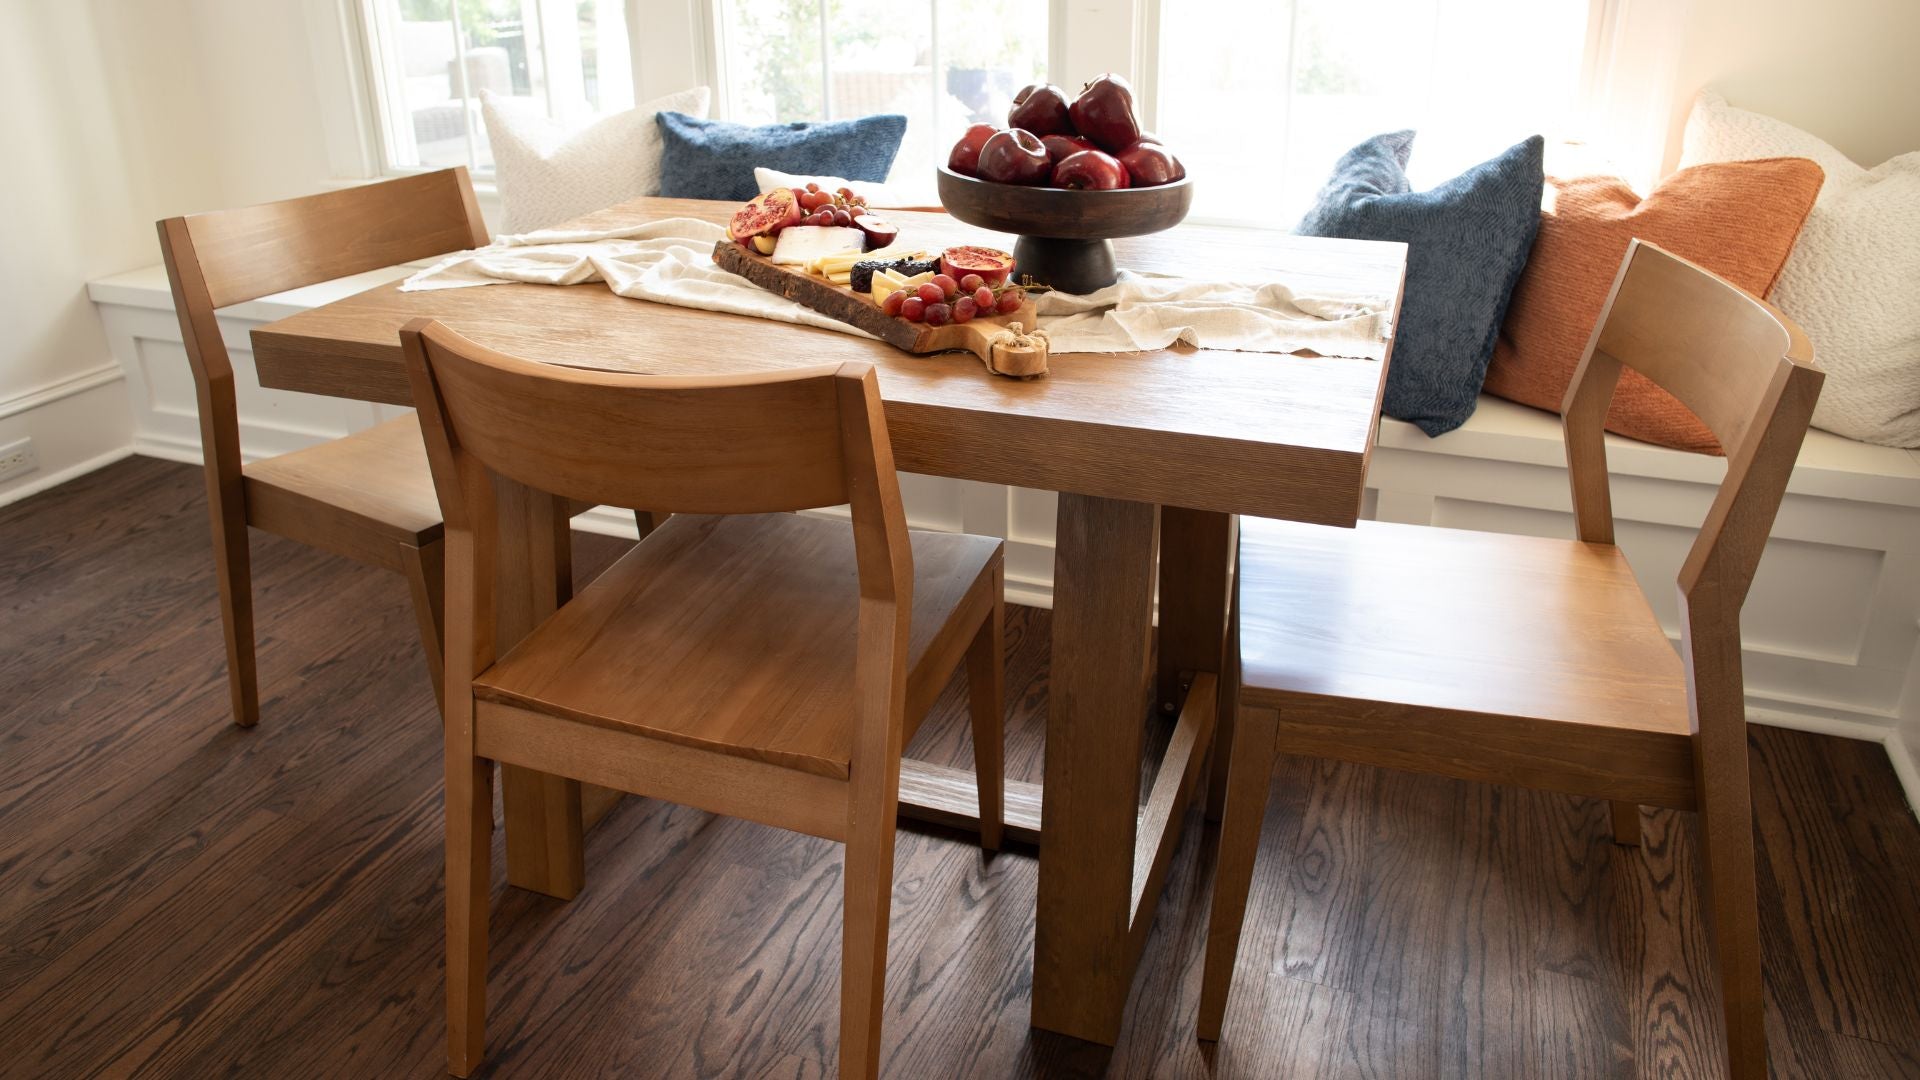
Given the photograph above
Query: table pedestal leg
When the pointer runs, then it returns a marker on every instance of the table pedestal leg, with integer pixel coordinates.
(1102, 634)
(533, 576)
(1197, 550)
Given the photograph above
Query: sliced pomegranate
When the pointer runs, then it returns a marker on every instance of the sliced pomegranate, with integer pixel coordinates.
(766, 215)
(992, 265)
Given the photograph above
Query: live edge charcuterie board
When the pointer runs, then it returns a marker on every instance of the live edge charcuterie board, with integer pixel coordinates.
(994, 339)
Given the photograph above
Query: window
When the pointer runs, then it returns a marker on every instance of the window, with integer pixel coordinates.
(1260, 114)
(1259, 97)
(944, 64)
(570, 59)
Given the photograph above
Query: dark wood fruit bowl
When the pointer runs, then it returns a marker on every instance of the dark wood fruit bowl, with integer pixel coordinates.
(1064, 235)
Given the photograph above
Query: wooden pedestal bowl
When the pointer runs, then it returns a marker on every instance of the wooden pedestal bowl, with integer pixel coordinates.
(1064, 235)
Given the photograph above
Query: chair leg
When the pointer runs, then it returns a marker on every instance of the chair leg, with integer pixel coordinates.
(1727, 863)
(863, 954)
(425, 570)
(986, 701)
(233, 567)
(1250, 768)
(648, 520)
(1626, 824)
(469, 877)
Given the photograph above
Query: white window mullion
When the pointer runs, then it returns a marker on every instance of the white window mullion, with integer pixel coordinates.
(460, 83)
(826, 66)
(933, 60)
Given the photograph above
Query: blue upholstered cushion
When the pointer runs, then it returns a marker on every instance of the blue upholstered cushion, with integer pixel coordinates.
(713, 159)
(1467, 241)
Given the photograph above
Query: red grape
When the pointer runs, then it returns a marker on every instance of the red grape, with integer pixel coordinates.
(982, 296)
(946, 284)
(964, 309)
(932, 294)
(891, 305)
(971, 282)
(814, 200)
(1009, 302)
(913, 309)
(938, 314)
(811, 186)
(841, 217)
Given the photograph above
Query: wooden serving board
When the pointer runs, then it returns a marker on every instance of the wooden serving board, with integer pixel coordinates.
(1022, 360)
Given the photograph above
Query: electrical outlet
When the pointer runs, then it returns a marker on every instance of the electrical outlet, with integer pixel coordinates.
(16, 458)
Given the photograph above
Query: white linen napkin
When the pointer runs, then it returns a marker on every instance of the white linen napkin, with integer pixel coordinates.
(671, 262)
(1152, 311)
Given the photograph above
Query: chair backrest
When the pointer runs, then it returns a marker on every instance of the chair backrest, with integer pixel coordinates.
(763, 443)
(1747, 372)
(229, 256)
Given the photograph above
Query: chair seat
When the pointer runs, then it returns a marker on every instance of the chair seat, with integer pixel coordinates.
(375, 481)
(1512, 658)
(738, 635)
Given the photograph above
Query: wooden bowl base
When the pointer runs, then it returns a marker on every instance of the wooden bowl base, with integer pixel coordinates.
(1069, 266)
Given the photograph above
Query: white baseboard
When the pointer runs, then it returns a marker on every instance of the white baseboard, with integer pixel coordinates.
(77, 423)
(1906, 766)
(60, 476)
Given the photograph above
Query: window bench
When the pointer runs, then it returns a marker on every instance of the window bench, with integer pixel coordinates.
(1832, 625)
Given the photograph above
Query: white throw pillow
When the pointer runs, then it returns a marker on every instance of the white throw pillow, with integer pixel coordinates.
(1853, 280)
(878, 195)
(548, 173)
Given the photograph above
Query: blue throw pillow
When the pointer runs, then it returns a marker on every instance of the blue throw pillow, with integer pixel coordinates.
(1467, 241)
(713, 159)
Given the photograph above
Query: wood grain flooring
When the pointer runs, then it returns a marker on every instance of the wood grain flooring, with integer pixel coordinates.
(181, 898)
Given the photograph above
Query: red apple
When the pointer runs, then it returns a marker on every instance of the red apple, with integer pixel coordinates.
(1090, 170)
(1042, 109)
(965, 158)
(1104, 113)
(1150, 164)
(1059, 146)
(1014, 157)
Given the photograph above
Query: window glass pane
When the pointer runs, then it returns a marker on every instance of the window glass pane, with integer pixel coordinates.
(424, 102)
(502, 56)
(568, 59)
(942, 63)
(773, 60)
(1260, 115)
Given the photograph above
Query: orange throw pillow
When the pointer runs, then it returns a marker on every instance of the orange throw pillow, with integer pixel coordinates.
(1737, 219)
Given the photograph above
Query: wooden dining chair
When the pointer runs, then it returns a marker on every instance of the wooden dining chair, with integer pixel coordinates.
(1538, 662)
(368, 496)
(740, 659)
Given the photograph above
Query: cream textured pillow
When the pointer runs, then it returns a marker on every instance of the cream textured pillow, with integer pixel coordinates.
(1853, 280)
(547, 173)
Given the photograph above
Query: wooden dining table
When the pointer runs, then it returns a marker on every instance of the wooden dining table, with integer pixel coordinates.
(1153, 455)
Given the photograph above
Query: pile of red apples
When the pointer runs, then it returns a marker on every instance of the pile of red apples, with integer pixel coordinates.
(1091, 143)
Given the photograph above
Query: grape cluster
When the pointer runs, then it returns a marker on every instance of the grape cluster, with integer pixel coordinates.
(830, 207)
(944, 300)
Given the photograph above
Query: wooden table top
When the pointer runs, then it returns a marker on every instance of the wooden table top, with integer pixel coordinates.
(1269, 434)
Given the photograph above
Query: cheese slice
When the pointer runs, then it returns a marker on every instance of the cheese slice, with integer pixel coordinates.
(802, 244)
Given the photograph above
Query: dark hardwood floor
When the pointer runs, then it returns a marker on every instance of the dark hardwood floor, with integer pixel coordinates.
(182, 898)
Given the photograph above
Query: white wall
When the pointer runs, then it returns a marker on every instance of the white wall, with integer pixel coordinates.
(89, 148)
(1842, 69)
